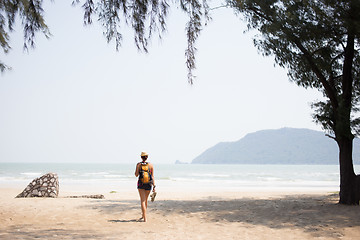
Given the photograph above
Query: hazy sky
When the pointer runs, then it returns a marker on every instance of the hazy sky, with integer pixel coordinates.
(74, 98)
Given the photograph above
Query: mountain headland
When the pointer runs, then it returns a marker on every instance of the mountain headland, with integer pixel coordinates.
(280, 146)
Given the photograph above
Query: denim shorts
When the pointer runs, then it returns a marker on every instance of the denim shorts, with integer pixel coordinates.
(146, 186)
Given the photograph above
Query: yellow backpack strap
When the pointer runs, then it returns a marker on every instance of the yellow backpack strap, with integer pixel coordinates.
(145, 165)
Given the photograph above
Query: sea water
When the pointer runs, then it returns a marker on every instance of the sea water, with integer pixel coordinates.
(177, 177)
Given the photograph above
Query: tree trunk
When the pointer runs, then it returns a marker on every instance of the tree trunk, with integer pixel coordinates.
(349, 182)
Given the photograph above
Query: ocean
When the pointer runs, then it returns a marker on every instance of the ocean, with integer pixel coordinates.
(106, 177)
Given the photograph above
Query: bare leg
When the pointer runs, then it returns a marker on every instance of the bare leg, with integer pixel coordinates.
(144, 195)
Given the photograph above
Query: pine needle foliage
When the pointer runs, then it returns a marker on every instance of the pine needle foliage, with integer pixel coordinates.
(31, 14)
(146, 18)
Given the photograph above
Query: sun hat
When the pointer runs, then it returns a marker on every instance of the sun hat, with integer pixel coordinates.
(144, 154)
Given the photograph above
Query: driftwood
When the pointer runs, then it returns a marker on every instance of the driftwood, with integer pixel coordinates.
(98, 196)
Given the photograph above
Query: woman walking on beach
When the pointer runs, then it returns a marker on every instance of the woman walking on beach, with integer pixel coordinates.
(145, 172)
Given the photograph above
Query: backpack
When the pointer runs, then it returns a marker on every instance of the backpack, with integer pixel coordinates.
(145, 176)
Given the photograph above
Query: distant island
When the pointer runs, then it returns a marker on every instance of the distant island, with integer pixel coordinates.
(281, 146)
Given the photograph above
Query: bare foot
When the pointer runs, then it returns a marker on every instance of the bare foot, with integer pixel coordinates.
(141, 219)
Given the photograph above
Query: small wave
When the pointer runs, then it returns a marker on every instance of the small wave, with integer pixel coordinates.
(211, 175)
(271, 179)
(115, 176)
(95, 174)
(182, 179)
(8, 179)
(31, 174)
(14, 179)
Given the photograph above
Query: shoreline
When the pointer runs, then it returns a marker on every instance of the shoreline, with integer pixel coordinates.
(173, 187)
(204, 215)
(12, 192)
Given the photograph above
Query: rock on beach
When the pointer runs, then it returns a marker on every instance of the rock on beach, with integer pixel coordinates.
(44, 186)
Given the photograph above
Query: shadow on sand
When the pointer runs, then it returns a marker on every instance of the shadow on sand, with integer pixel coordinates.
(125, 221)
(319, 215)
(27, 231)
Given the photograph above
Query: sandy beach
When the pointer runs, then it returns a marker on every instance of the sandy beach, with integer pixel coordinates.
(238, 215)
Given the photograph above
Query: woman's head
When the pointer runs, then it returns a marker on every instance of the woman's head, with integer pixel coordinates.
(144, 156)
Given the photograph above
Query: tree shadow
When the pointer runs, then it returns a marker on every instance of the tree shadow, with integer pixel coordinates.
(114, 206)
(27, 231)
(321, 216)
